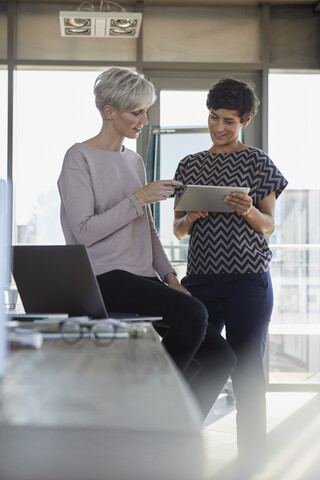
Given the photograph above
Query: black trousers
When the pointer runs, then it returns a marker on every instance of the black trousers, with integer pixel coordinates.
(199, 351)
(243, 304)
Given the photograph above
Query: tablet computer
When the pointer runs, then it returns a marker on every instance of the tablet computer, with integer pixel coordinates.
(207, 198)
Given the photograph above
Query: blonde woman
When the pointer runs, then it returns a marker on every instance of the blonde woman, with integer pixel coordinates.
(105, 206)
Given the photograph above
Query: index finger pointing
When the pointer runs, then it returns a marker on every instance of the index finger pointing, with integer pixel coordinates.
(173, 183)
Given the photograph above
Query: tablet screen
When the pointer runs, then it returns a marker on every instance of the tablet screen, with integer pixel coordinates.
(207, 198)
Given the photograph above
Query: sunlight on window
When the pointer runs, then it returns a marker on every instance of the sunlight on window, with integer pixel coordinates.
(3, 122)
(293, 136)
(54, 110)
(188, 108)
(179, 109)
(294, 105)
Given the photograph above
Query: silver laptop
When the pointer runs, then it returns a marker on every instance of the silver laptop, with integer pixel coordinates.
(59, 279)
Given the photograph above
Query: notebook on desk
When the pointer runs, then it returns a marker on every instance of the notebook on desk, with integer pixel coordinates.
(59, 279)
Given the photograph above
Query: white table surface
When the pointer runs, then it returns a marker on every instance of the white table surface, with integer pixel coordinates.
(86, 412)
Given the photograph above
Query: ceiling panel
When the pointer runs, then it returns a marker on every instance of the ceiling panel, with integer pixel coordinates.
(183, 3)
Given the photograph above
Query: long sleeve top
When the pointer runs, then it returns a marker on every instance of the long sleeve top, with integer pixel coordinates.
(99, 210)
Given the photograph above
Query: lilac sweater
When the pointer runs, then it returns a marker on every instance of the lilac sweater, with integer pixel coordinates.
(99, 210)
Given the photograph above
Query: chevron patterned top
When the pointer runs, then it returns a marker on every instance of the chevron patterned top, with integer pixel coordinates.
(225, 242)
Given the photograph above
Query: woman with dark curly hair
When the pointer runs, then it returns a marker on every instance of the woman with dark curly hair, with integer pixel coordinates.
(228, 255)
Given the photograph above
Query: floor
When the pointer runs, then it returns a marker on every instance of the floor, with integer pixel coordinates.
(293, 439)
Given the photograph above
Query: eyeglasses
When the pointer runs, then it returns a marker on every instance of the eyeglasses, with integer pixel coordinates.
(100, 332)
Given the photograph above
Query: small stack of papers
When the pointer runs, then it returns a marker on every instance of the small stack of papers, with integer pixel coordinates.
(53, 326)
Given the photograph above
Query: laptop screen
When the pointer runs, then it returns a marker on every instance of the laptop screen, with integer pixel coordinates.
(57, 279)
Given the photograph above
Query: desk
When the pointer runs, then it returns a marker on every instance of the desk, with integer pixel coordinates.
(82, 412)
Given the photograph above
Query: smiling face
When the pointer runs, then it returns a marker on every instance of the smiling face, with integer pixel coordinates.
(224, 128)
(126, 124)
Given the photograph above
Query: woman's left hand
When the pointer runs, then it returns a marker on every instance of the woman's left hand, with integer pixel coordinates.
(240, 202)
(172, 281)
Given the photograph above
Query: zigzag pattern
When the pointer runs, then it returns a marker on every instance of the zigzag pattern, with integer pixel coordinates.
(224, 242)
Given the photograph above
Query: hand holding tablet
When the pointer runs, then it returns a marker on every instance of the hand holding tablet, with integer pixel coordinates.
(207, 198)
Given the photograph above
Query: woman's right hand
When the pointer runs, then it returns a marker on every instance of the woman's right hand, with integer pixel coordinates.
(194, 216)
(183, 222)
(156, 191)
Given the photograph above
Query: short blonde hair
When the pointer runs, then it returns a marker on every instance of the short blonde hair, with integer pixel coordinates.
(123, 89)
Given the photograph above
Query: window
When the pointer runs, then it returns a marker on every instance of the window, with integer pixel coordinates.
(183, 130)
(293, 355)
(183, 124)
(53, 110)
(294, 344)
(3, 122)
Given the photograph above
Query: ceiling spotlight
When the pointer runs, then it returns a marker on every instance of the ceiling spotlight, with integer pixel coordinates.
(125, 23)
(88, 23)
(118, 32)
(77, 22)
(77, 32)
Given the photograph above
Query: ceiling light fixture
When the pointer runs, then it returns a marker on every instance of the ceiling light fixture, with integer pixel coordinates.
(85, 22)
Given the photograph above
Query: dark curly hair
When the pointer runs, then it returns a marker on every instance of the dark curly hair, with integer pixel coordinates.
(233, 95)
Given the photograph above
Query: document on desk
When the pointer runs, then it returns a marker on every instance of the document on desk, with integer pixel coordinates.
(30, 317)
(52, 327)
(43, 324)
